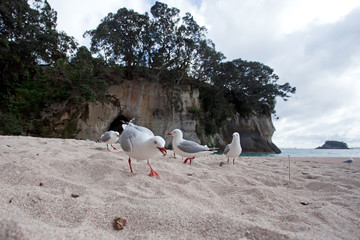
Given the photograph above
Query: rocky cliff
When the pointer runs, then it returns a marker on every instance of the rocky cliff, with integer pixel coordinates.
(255, 133)
(160, 109)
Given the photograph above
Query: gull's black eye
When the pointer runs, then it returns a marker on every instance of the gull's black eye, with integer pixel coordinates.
(155, 142)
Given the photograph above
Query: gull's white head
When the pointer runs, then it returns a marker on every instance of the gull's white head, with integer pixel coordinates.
(114, 134)
(236, 135)
(176, 133)
(159, 143)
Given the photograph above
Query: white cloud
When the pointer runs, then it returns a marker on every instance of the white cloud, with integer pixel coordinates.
(76, 17)
(325, 73)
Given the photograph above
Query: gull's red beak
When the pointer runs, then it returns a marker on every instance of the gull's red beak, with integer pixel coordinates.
(168, 134)
(163, 151)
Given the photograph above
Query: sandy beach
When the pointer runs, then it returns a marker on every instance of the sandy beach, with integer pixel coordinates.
(74, 189)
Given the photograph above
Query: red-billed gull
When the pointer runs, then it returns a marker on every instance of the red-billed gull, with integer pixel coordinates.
(110, 137)
(186, 148)
(140, 143)
(349, 161)
(233, 149)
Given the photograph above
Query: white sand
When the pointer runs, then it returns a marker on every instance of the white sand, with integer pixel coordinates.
(74, 189)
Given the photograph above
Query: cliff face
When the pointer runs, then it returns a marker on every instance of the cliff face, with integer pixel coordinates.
(161, 110)
(153, 106)
(255, 133)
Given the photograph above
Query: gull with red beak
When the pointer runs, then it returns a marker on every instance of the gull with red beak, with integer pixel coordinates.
(140, 143)
(110, 137)
(186, 148)
(233, 149)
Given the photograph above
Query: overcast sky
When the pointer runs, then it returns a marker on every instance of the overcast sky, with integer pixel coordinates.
(312, 44)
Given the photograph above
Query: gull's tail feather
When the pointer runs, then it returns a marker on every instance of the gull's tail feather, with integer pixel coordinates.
(125, 123)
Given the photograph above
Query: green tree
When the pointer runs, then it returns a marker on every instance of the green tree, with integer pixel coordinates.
(87, 76)
(120, 37)
(163, 28)
(165, 45)
(207, 61)
(81, 79)
(215, 108)
(190, 37)
(252, 86)
(28, 39)
(178, 44)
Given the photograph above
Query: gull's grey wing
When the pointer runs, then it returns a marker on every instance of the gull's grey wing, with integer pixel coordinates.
(131, 131)
(142, 129)
(138, 128)
(125, 138)
(105, 137)
(192, 147)
(227, 149)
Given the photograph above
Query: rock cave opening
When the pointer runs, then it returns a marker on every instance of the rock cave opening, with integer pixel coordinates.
(116, 125)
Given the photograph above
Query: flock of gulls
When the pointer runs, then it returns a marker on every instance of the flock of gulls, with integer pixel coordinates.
(140, 143)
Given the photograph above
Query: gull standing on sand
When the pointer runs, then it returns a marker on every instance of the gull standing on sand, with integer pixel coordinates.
(110, 137)
(186, 148)
(140, 143)
(349, 161)
(233, 149)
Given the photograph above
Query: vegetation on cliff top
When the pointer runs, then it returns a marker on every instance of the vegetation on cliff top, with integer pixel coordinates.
(40, 65)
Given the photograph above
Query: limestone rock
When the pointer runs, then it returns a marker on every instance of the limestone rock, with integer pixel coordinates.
(158, 108)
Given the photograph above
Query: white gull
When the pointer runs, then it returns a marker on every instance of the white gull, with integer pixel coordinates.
(140, 143)
(186, 148)
(109, 137)
(349, 161)
(233, 149)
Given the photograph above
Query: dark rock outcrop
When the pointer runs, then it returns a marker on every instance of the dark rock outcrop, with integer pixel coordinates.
(256, 133)
(333, 145)
(158, 108)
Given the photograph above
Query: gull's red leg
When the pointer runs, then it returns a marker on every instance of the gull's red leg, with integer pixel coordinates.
(152, 172)
(107, 147)
(113, 147)
(130, 165)
(189, 159)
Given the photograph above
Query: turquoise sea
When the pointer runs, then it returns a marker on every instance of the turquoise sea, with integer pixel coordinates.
(298, 152)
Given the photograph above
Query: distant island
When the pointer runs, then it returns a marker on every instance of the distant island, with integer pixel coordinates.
(333, 145)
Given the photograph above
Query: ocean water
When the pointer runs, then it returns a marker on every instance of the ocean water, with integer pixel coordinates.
(298, 152)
